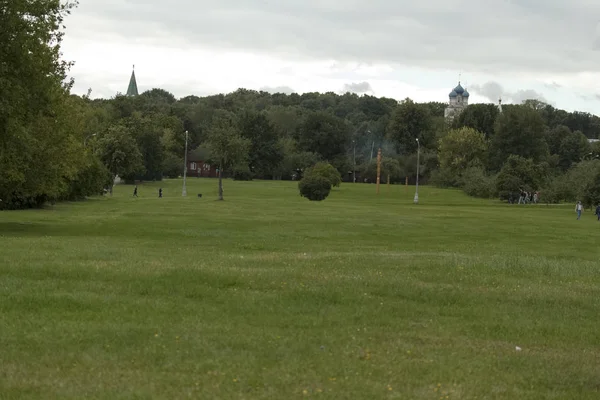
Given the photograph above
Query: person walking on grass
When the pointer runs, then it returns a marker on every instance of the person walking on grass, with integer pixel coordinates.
(598, 211)
(160, 192)
(579, 209)
(135, 191)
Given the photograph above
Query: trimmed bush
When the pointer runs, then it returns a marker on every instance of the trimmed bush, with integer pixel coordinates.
(314, 187)
(326, 171)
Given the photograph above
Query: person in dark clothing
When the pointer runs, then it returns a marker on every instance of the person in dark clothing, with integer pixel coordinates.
(598, 211)
(160, 192)
(135, 191)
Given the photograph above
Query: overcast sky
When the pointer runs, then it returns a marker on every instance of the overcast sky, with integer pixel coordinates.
(517, 49)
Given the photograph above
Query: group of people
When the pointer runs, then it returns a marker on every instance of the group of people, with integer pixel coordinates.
(579, 209)
(528, 197)
(524, 197)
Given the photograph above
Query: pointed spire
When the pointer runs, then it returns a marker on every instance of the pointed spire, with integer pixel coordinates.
(132, 90)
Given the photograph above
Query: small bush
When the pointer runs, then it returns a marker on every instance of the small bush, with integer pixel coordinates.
(476, 183)
(242, 175)
(242, 172)
(326, 171)
(314, 187)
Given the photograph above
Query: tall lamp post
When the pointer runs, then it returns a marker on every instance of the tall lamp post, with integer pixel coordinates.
(184, 191)
(416, 200)
(354, 162)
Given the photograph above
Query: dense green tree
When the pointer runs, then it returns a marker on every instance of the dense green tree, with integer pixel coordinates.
(475, 182)
(573, 148)
(295, 161)
(518, 174)
(480, 117)
(286, 120)
(408, 122)
(555, 136)
(226, 144)
(266, 152)
(90, 180)
(519, 130)
(591, 192)
(148, 138)
(119, 152)
(462, 148)
(324, 134)
(159, 96)
(390, 168)
(40, 145)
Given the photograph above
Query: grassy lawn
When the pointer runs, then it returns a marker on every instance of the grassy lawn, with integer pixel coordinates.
(269, 296)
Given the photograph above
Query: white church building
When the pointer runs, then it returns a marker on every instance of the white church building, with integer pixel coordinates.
(459, 100)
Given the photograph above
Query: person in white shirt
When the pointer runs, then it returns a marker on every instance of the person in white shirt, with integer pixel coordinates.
(579, 209)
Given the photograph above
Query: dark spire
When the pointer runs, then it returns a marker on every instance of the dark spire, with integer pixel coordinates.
(132, 90)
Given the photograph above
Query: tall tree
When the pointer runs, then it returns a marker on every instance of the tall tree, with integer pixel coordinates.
(460, 149)
(480, 117)
(324, 134)
(519, 174)
(519, 130)
(410, 121)
(573, 148)
(118, 150)
(266, 152)
(226, 144)
(40, 148)
(555, 136)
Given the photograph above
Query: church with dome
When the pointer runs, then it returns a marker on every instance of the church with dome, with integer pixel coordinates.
(459, 100)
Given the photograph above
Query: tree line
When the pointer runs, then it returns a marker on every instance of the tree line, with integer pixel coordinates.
(55, 145)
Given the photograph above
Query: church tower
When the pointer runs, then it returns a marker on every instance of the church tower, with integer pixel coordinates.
(458, 101)
(132, 90)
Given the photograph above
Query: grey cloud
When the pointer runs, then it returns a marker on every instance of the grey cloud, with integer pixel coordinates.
(361, 87)
(505, 36)
(597, 96)
(522, 95)
(493, 91)
(278, 89)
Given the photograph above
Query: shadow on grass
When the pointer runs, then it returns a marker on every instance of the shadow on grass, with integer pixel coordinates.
(37, 229)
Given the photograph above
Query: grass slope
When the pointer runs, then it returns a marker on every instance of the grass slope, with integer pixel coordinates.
(269, 296)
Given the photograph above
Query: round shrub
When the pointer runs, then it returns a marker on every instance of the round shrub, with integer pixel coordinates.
(242, 173)
(314, 188)
(326, 171)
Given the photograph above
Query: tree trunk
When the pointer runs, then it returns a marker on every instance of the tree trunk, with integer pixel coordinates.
(221, 181)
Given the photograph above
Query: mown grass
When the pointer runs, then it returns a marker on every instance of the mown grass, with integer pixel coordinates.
(269, 296)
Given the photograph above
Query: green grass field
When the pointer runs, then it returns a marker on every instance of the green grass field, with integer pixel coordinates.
(269, 296)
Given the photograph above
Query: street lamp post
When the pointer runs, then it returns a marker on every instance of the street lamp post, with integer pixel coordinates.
(354, 162)
(416, 200)
(184, 191)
